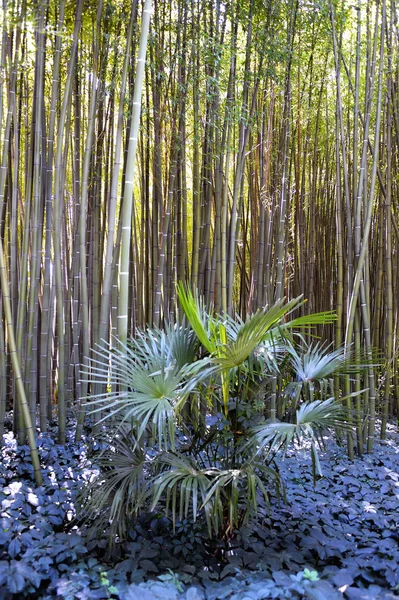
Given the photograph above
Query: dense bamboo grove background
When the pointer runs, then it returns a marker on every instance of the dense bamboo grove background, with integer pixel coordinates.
(265, 165)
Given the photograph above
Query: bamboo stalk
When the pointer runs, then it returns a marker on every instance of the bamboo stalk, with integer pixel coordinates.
(57, 225)
(30, 433)
(127, 207)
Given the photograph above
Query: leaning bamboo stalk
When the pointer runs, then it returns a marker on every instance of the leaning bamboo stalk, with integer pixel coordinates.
(76, 321)
(196, 184)
(340, 252)
(4, 34)
(285, 144)
(357, 204)
(36, 230)
(30, 432)
(6, 159)
(370, 394)
(222, 176)
(13, 266)
(361, 193)
(3, 376)
(19, 306)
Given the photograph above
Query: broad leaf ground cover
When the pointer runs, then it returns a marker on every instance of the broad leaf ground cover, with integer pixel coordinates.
(338, 540)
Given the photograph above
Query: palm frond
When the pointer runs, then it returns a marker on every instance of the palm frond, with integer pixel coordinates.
(183, 485)
(272, 351)
(312, 419)
(269, 351)
(250, 334)
(236, 490)
(316, 362)
(183, 342)
(321, 318)
(177, 342)
(158, 392)
(321, 414)
(194, 314)
(117, 493)
(147, 381)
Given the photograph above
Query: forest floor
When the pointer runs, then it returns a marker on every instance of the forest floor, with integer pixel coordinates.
(338, 540)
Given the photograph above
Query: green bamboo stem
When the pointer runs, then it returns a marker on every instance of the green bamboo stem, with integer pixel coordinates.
(238, 175)
(344, 154)
(388, 270)
(339, 245)
(127, 207)
(366, 231)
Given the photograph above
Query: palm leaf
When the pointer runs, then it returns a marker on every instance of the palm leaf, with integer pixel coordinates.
(321, 318)
(182, 482)
(176, 342)
(117, 493)
(237, 490)
(251, 333)
(192, 310)
(158, 393)
(316, 362)
(183, 342)
(148, 381)
(312, 418)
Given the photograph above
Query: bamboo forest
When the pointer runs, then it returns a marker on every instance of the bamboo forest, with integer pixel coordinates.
(199, 284)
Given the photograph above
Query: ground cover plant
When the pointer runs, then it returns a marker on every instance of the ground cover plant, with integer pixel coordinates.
(345, 529)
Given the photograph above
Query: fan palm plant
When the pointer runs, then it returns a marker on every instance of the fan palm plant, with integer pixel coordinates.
(192, 400)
